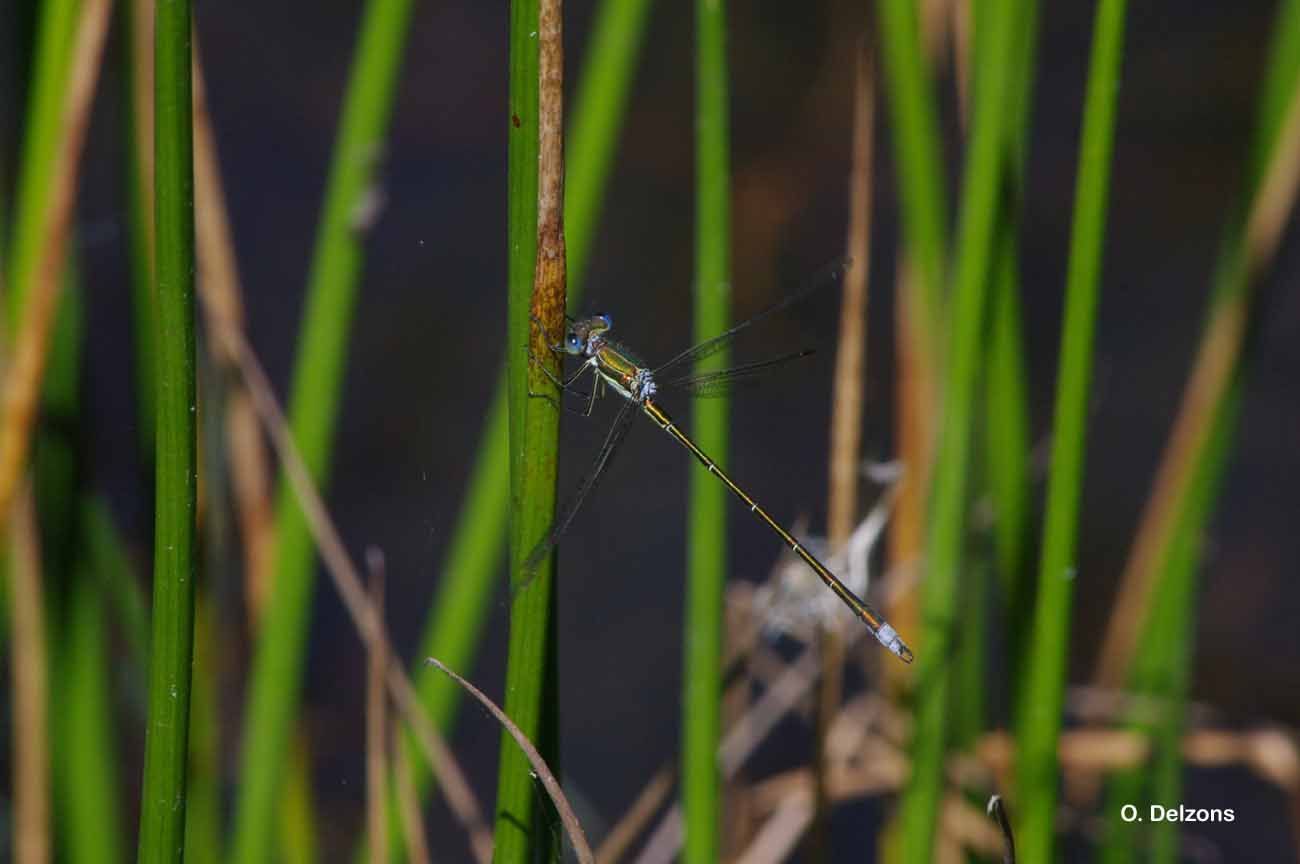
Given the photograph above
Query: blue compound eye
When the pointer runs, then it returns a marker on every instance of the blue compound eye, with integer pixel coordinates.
(572, 344)
(609, 321)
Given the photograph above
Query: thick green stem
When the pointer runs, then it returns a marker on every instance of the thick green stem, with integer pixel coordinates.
(1042, 696)
(944, 561)
(535, 293)
(162, 817)
(706, 566)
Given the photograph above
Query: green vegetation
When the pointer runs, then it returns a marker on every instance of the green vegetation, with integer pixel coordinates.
(171, 660)
(993, 643)
(313, 409)
(706, 526)
(1043, 690)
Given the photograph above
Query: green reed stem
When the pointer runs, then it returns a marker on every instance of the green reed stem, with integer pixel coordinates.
(913, 117)
(203, 815)
(313, 409)
(944, 559)
(458, 614)
(1162, 668)
(1008, 446)
(1161, 665)
(88, 775)
(706, 566)
(535, 273)
(50, 64)
(1047, 653)
(163, 799)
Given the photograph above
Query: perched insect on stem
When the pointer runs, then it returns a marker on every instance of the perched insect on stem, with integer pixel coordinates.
(612, 366)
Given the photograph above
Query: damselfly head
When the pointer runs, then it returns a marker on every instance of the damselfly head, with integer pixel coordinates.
(578, 339)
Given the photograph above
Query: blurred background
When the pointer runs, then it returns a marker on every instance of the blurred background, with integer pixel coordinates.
(426, 347)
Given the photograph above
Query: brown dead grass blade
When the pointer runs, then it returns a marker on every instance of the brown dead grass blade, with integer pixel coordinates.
(347, 582)
(567, 817)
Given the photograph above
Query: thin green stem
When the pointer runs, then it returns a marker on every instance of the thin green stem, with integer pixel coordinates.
(40, 149)
(913, 116)
(1047, 653)
(203, 815)
(921, 290)
(1164, 564)
(162, 817)
(944, 559)
(1162, 666)
(1008, 445)
(1167, 649)
(535, 290)
(88, 777)
(706, 536)
(317, 384)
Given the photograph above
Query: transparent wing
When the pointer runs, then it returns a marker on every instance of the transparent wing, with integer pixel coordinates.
(617, 432)
(831, 274)
(707, 384)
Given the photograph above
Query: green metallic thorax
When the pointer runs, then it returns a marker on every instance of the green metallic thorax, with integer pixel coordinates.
(615, 364)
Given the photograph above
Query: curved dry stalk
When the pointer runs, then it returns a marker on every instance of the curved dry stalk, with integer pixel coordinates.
(543, 773)
(223, 306)
(347, 582)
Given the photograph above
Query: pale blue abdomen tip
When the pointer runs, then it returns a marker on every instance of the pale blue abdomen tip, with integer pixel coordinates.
(889, 637)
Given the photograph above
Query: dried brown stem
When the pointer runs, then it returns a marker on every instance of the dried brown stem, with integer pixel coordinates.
(1277, 191)
(849, 390)
(849, 385)
(347, 582)
(1269, 753)
(788, 798)
(552, 786)
(30, 669)
(408, 806)
(916, 423)
(376, 720)
(549, 276)
(1217, 361)
(22, 380)
(222, 298)
(633, 822)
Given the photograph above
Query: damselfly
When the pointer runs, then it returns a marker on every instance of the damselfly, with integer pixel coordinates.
(611, 365)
